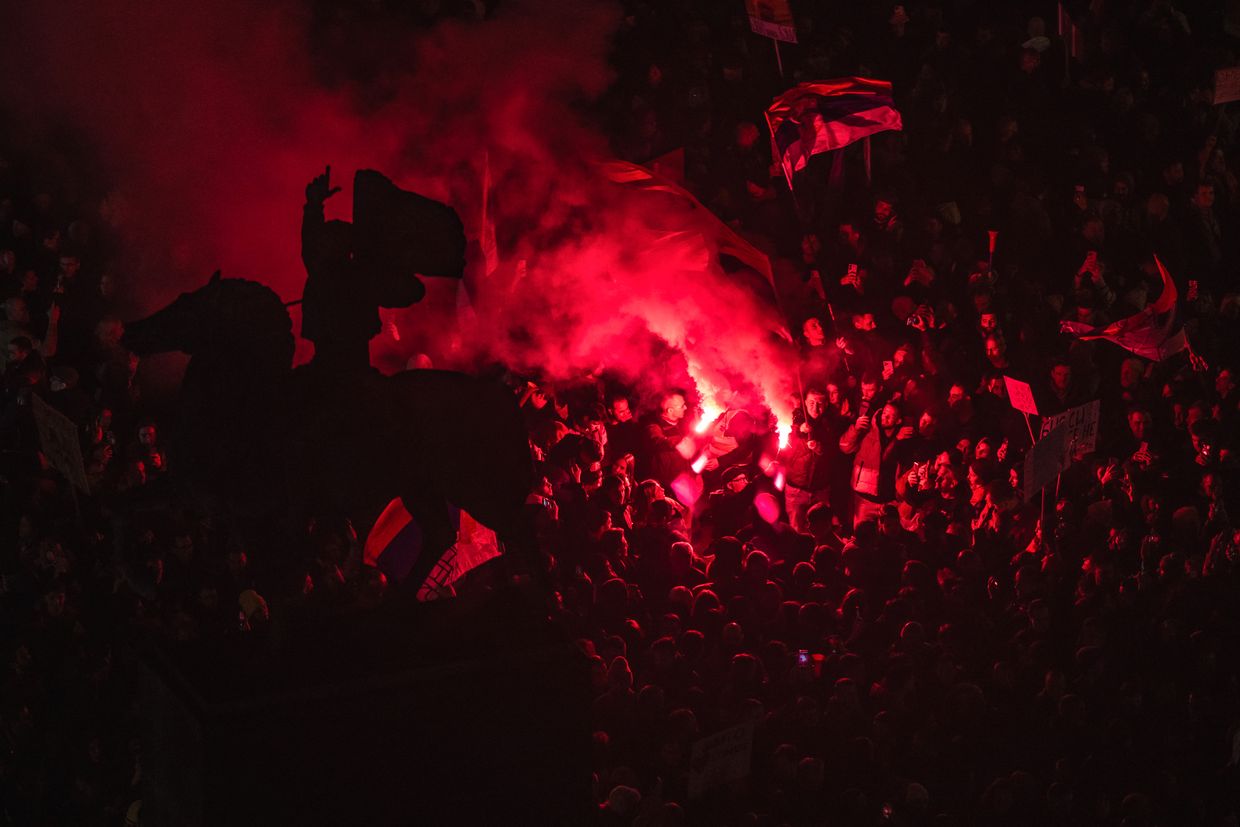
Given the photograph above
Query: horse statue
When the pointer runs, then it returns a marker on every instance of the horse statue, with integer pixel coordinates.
(265, 446)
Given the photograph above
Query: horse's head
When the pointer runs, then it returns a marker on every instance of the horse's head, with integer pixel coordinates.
(233, 315)
(180, 326)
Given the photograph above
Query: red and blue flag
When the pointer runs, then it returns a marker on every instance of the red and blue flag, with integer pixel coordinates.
(824, 115)
(395, 542)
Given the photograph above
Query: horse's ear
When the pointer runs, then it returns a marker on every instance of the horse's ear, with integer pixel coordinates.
(215, 277)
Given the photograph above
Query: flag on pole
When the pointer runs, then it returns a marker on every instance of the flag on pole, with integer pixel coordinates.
(395, 542)
(817, 117)
(475, 545)
(726, 240)
(1150, 333)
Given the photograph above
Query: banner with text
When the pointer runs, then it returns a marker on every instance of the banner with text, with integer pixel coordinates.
(772, 18)
(1082, 426)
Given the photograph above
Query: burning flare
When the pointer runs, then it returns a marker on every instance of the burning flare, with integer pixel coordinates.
(710, 412)
(784, 431)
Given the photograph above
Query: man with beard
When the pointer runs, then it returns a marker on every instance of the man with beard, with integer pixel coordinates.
(623, 431)
(812, 453)
(876, 458)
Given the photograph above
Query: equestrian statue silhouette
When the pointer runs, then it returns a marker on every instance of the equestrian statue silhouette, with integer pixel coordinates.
(266, 448)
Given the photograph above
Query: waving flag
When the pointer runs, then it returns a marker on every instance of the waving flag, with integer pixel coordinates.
(825, 115)
(395, 543)
(1149, 333)
(726, 240)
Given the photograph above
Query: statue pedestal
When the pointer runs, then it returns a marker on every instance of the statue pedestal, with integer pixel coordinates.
(459, 712)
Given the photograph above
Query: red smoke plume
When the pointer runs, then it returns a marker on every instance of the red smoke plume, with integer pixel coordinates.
(211, 117)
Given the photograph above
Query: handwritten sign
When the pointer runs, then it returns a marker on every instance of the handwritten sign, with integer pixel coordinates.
(1226, 85)
(1082, 425)
(772, 18)
(58, 437)
(1020, 394)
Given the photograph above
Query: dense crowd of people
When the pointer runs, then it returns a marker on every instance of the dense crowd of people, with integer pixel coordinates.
(913, 639)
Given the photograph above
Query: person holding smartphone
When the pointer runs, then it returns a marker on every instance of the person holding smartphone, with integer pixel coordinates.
(812, 453)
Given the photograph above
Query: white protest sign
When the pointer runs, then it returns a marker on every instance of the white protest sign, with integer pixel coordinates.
(58, 437)
(721, 758)
(1081, 423)
(1020, 394)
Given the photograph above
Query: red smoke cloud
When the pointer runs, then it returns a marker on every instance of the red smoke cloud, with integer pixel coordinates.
(211, 117)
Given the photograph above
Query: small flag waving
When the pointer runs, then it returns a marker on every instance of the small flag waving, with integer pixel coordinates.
(1150, 333)
(825, 115)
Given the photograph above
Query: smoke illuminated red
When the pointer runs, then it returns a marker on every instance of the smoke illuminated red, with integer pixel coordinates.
(587, 274)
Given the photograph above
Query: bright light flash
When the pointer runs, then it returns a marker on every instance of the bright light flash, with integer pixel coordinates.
(709, 414)
(784, 430)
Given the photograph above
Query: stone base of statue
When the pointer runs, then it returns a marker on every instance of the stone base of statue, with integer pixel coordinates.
(470, 711)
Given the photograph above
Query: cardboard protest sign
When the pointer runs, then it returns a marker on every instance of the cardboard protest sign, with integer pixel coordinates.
(772, 18)
(721, 758)
(1082, 425)
(1226, 85)
(1020, 394)
(58, 437)
(1044, 461)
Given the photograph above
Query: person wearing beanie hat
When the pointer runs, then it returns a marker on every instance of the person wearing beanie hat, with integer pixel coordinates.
(621, 804)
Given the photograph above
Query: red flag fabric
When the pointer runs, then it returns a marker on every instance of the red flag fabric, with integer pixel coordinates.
(817, 117)
(671, 166)
(490, 252)
(726, 240)
(395, 541)
(1148, 333)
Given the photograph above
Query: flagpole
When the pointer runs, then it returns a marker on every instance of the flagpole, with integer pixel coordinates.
(869, 179)
(835, 328)
(779, 61)
(1067, 49)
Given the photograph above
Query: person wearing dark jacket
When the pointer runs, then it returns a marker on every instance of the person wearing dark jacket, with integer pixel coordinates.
(812, 454)
(659, 457)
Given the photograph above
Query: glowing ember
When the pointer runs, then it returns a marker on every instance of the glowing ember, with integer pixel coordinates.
(780, 480)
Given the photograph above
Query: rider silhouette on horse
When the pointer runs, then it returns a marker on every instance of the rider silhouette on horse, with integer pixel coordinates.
(354, 269)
